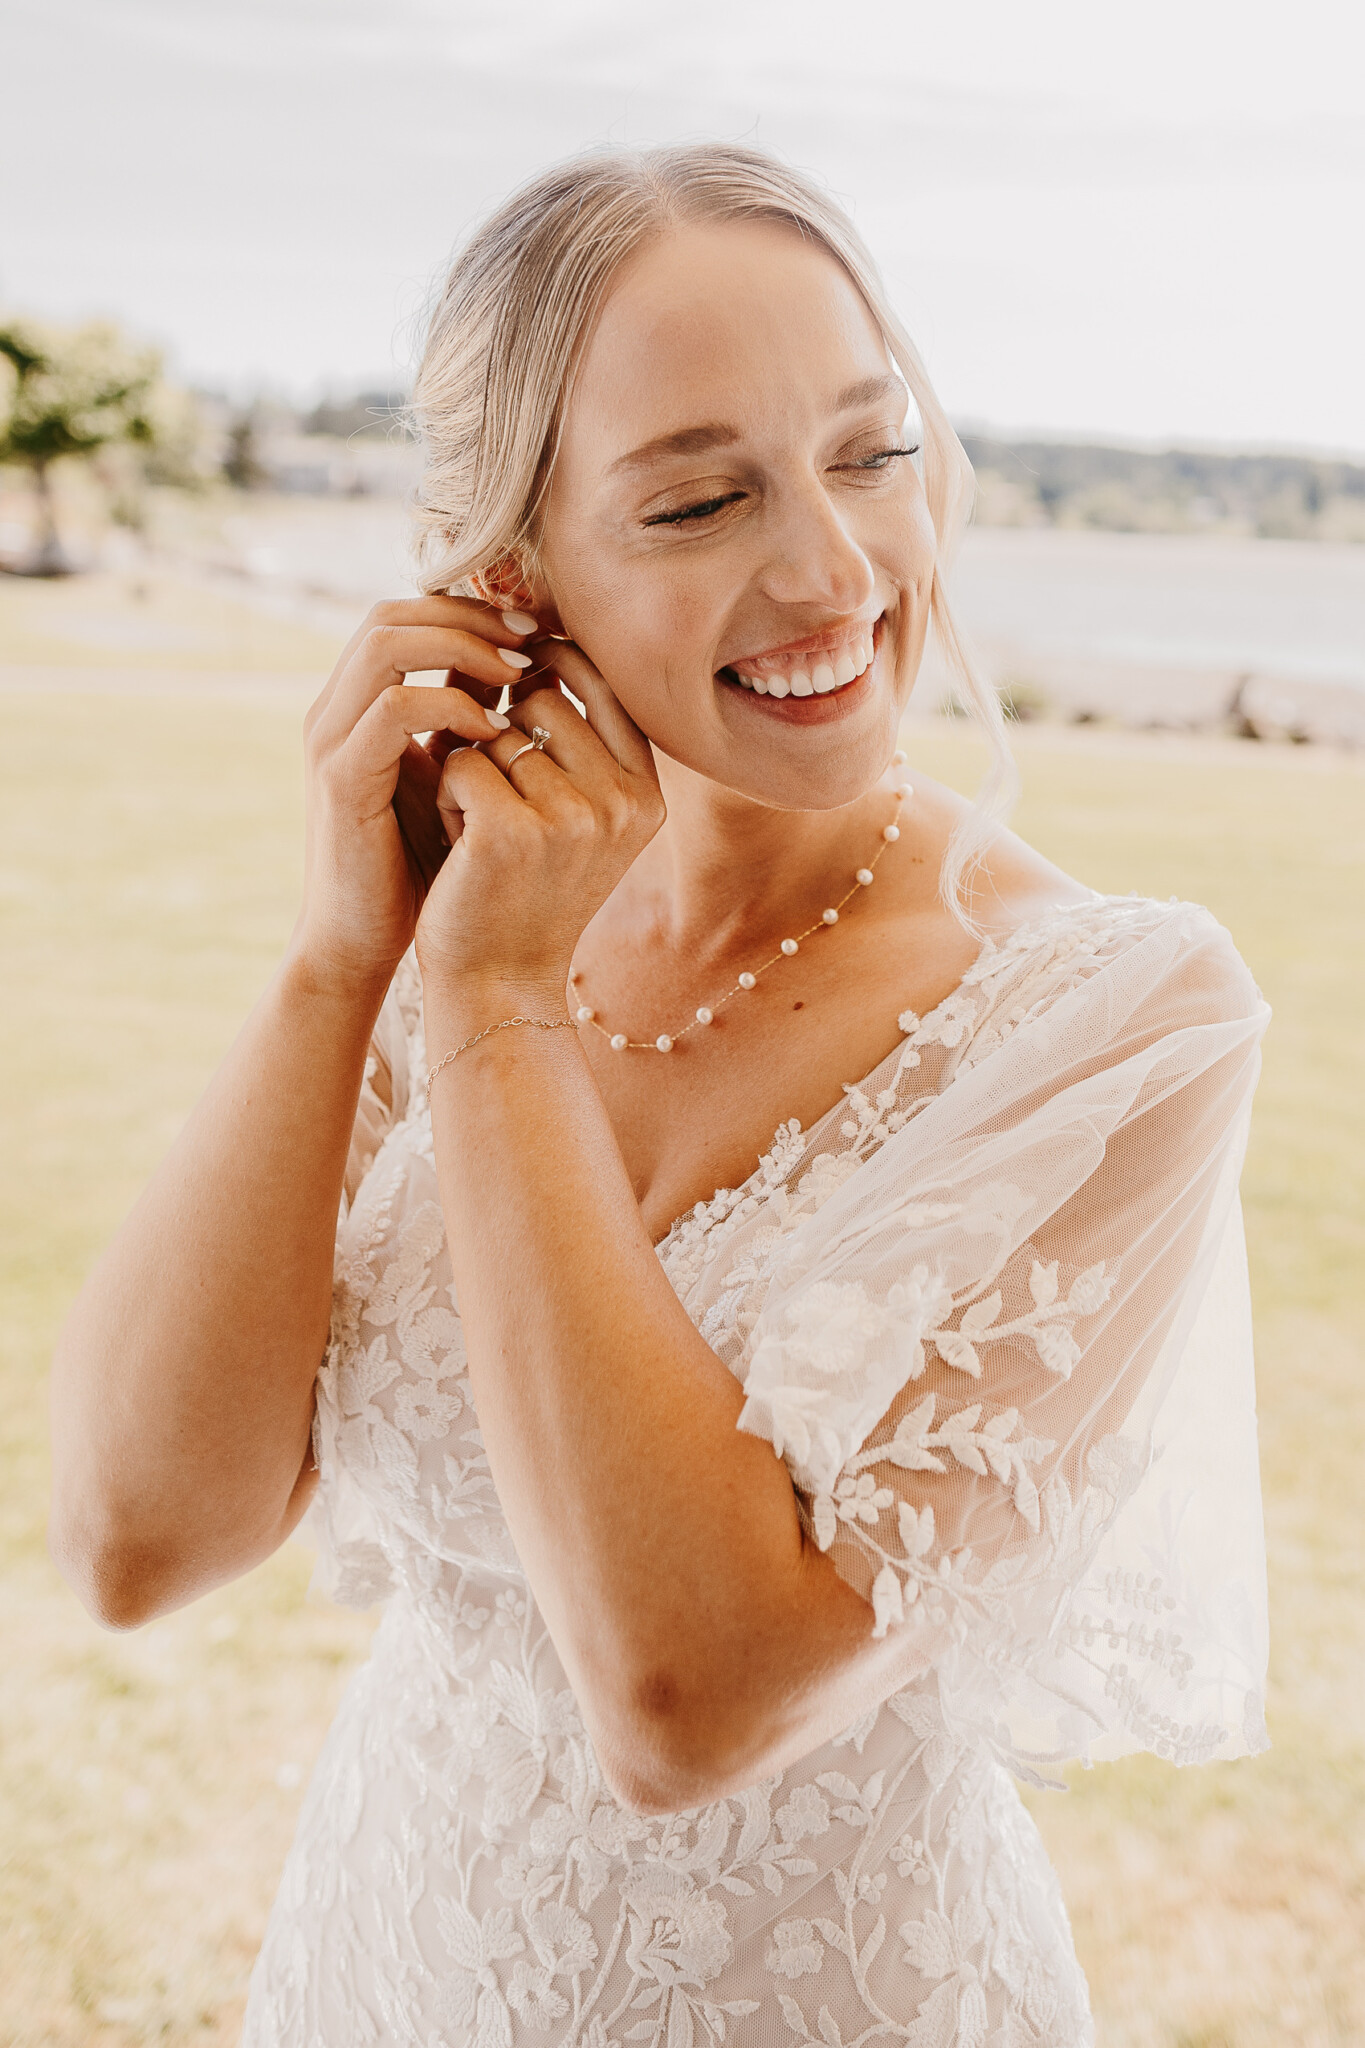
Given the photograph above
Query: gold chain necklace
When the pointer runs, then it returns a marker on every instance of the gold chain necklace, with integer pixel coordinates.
(707, 1013)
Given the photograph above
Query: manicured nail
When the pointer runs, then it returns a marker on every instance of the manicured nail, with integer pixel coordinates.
(519, 622)
(514, 660)
(497, 721)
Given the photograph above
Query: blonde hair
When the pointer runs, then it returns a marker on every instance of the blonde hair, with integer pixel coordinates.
(508, 329)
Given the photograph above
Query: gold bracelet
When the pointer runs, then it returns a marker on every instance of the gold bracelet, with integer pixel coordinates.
(536, 1023)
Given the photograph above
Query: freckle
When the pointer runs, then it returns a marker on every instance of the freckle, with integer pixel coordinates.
(798, 1006)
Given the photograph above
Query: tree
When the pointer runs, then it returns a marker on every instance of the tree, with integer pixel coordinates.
(70, 393)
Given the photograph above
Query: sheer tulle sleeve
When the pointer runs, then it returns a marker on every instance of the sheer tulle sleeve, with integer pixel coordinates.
(1007, 1359)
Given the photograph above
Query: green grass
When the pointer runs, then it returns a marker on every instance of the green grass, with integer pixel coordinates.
(149, 859)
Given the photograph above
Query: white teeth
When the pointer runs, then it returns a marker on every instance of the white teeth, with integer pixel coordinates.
(819, 681)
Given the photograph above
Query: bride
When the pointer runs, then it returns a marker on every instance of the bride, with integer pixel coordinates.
(783, 1363)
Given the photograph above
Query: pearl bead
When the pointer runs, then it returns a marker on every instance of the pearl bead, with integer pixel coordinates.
(747, 980)
(703, 1015)
(584, 1014)
(664, 1042)
(789, 947)
(829, 917)
(619, 1041)
(904, 791)
(866, 877)
(891, 833)
(898, 758)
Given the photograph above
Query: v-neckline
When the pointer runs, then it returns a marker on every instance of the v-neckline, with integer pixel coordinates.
(734, 1195)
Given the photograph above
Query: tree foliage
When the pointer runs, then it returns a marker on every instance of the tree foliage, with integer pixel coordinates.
(71, 393)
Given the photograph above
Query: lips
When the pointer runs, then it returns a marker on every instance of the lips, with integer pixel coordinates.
(832, 664)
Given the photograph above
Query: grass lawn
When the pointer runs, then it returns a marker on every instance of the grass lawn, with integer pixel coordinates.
(149, 860)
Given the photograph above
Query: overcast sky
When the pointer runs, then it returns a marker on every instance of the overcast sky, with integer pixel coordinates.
(1139, 220)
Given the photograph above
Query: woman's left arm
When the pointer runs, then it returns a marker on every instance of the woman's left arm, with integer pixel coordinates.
(708, 1642)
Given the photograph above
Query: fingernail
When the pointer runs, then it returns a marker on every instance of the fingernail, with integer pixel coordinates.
(497, 721)
(514, 660)
(519, 622)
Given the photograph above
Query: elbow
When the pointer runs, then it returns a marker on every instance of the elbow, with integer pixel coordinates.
(662, 1750)
(120, 1584)
(123, 1573)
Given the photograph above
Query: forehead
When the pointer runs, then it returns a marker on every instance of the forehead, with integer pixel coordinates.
(745, 323)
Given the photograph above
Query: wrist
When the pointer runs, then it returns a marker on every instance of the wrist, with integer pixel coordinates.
(465, 1002)
(312, 976)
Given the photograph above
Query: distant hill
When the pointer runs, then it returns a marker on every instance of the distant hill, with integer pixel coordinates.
(1173, 490)
(368, 412)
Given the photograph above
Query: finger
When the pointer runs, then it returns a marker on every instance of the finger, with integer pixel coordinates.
(572, 778)
(467, 614)
(574, 745)
(469, 782)
(389, 653)
(414, 806)
(380, 738)
(618, 732)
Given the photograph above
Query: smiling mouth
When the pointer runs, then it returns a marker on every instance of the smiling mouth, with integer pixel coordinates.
(823, 672)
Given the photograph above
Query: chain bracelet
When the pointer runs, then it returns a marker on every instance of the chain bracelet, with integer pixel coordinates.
(536, 1023)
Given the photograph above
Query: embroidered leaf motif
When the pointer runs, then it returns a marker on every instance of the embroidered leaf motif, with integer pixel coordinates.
(1043, 1283)
(872, 1944)
(887, 1603)
(957, 1352)
(917, 1528)
(929, 1944)
(909, 1444)
(835, 1935)
(793, 2015)
(680, 2021)
(980, 1315)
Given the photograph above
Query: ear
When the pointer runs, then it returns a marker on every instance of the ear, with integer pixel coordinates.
(505, 584)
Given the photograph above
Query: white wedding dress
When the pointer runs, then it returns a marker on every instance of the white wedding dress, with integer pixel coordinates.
(992, 1311)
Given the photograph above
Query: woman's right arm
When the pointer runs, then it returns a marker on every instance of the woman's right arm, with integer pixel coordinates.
(182, 1387)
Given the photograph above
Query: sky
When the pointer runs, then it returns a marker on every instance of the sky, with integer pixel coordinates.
(1139, 222)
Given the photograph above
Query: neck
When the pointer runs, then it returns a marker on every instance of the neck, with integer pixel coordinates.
(724, 870)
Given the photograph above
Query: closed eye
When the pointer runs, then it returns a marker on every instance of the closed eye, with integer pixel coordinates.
(881, 458)
(703, 510)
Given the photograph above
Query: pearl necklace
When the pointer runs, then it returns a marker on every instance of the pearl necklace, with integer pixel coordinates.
(666, 1040)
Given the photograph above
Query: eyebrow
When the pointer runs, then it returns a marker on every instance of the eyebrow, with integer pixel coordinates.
(715, 434)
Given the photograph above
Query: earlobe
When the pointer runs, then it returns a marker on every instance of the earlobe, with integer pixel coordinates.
(505, 584)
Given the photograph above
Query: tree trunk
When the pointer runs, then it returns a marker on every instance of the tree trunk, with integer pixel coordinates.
(49, 557)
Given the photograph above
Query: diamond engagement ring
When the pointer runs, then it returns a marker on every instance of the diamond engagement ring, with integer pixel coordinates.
(535, 745)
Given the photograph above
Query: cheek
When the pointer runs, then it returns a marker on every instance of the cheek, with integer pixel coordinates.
(646, 624)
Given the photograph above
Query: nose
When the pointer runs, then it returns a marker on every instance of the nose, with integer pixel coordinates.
(813, 559)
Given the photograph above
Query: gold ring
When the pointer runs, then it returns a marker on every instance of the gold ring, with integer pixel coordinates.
(535, 745)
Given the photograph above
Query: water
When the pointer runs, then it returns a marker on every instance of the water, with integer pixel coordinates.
(1277, 609)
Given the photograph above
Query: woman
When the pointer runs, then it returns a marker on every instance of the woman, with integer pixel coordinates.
(734, 1545)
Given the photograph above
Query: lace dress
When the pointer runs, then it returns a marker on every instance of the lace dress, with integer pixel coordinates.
(992, 1312)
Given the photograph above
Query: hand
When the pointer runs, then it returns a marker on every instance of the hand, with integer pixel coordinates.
(365, 874)
(535, 853)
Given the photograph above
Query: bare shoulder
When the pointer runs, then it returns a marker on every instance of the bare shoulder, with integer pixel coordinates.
(1012, 884)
